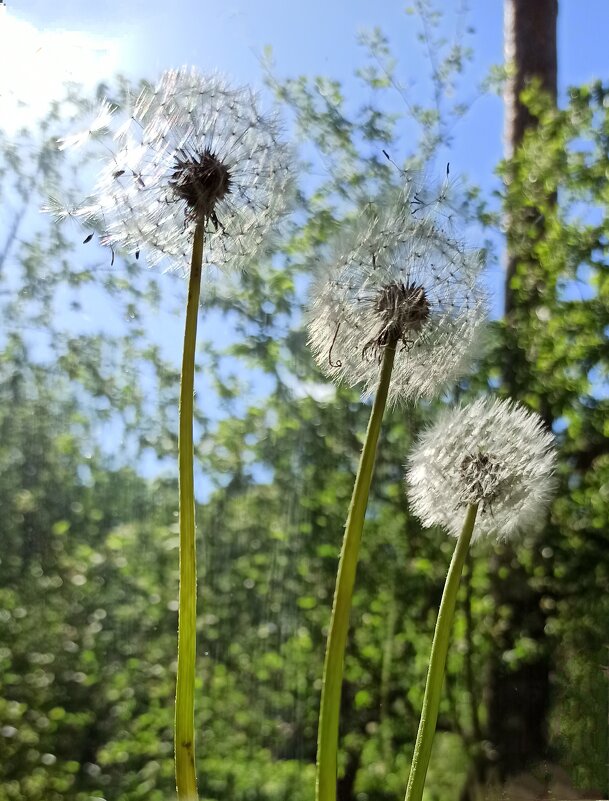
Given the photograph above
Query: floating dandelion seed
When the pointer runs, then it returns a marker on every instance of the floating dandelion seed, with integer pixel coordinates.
(398, 279)
(101, 119)
(190, 150)
(492, 453)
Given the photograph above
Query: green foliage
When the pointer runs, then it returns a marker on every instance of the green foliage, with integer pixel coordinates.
(557, 184)
(88, 569)
(89, 555)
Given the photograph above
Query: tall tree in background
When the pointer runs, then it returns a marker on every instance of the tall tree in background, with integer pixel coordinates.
(519, 696)
(531, 55)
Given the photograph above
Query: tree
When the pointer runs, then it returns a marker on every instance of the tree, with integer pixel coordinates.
(87, 642)
(558, 171)
(518, 729)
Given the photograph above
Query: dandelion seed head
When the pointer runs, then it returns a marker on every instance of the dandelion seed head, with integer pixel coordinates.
(192, 150)
(493, 453)
(398, 279)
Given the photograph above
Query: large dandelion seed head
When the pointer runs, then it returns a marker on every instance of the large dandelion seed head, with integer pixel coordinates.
(493, 453)
(191, 150)
(398, 279)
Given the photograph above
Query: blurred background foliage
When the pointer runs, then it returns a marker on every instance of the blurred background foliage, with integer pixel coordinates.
(88, 565)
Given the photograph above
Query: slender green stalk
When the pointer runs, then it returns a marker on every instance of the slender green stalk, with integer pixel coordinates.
(437, 662)
(186, 777)
(327, 736)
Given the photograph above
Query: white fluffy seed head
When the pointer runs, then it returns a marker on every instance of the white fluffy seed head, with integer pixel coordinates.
(191, 149)
(492, 452)
(397, 276)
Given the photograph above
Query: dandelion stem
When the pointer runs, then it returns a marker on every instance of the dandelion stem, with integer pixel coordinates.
(327, 737)
(186, 778)
(437, 661)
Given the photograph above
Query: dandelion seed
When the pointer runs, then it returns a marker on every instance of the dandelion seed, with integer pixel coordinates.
(492, 453)
(101, 119)
(61, 210)
(398, 279)
(191, 150)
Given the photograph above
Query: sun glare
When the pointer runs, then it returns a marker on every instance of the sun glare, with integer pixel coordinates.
(38, 62)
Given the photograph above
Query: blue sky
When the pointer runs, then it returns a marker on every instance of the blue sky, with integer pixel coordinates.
(43, 43)
(141, 38)
(316, 36)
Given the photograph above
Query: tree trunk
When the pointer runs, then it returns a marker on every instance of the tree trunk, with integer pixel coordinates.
(530, 53)
(518, 697)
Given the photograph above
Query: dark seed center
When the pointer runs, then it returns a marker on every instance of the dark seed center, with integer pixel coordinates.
(201, 180)
(480, 477)
(403, 309)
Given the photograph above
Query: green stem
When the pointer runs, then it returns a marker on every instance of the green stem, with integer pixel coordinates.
(186, 777)
(437, 662)
(327, 736)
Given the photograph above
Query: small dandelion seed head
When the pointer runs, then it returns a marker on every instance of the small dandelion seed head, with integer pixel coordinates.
(493, 453)
(398, 279)
(192, 150)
